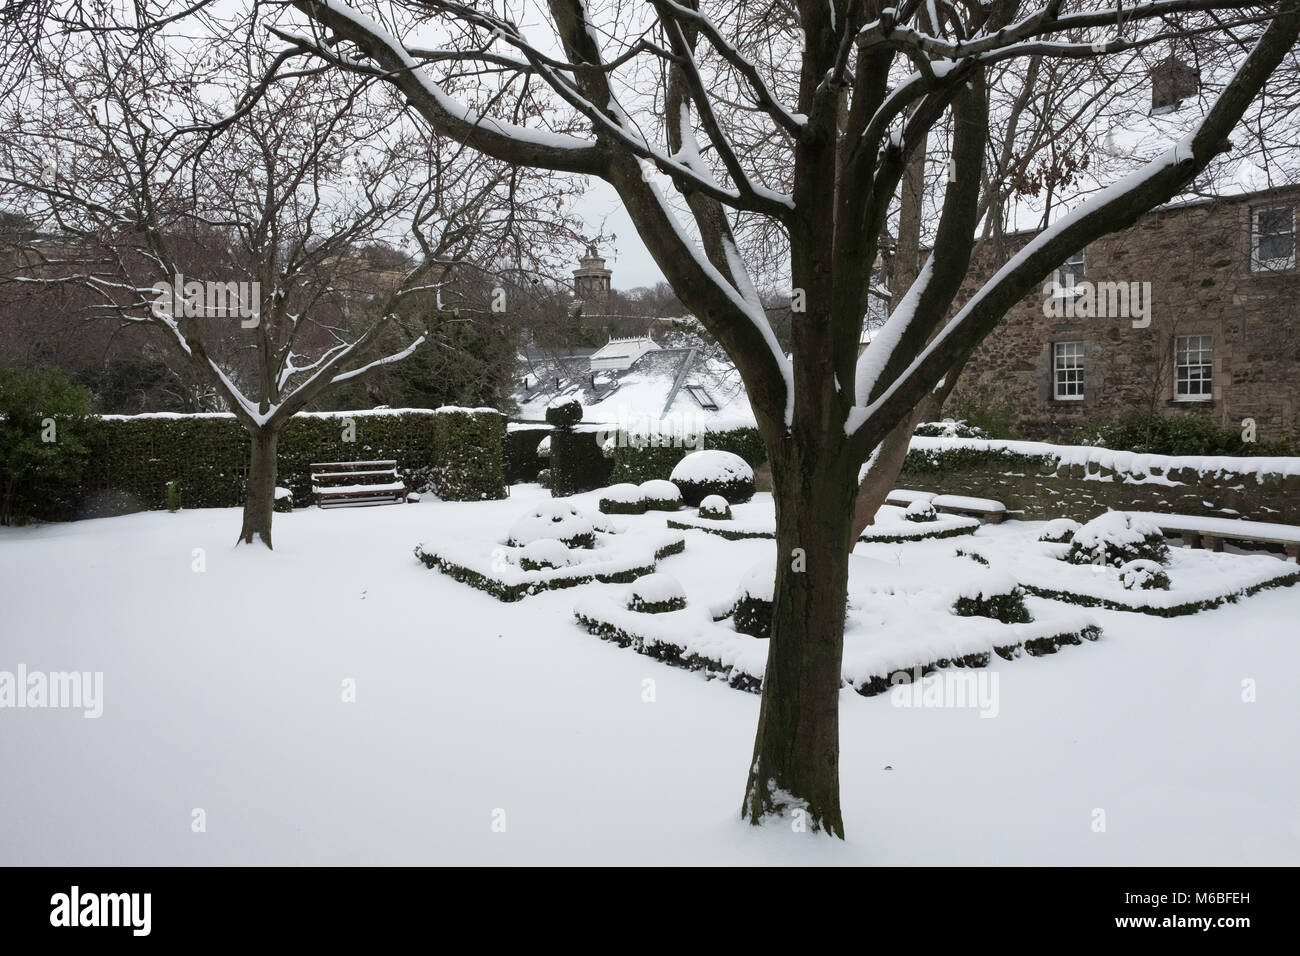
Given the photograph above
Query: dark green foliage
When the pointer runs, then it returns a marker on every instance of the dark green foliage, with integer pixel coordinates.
(735, 490)
(1152, 547)
(642, 464)
(638, 464)
(515, 592)
(130, 461)
(1008, 608)
(577, 464)
(655, 607)
(973, 555)
(610, 507)
(565, 415)
(948, 429)
(544, 477)
(45, 422)
(1177, 610)
(961, 458)
(928, 514)
(1145, 433)
(173, 497)
(752, 616)
(672, 654)
(522, 461)
(470, 455)
(284, 505)
(718, 514)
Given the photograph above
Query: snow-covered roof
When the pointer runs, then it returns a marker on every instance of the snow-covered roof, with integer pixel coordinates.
(666, 387)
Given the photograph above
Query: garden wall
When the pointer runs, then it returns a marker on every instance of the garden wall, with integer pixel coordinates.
(1039, 481)
(458, 453)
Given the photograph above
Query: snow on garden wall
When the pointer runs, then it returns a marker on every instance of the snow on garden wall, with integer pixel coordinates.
(1036, 480)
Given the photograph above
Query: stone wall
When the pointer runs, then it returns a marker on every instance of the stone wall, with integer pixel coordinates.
(1197, 259)
(1038, 481)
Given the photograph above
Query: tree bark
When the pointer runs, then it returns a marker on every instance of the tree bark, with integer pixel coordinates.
(796, 751)
(259, 492)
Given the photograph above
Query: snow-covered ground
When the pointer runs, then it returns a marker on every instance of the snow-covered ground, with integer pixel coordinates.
(223, 690)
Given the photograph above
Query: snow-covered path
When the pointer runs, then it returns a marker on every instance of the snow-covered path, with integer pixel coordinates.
(223, 691)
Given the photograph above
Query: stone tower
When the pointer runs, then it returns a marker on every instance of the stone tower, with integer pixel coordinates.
(591, 278)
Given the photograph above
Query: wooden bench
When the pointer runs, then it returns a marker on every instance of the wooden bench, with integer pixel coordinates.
(340, 483)
(1210, 532)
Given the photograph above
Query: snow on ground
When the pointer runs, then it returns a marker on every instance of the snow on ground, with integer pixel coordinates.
(223, 691)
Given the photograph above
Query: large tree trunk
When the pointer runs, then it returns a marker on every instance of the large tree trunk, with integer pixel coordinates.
(796, 752)
(259, 493)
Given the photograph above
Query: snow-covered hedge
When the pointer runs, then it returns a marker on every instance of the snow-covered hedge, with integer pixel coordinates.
(656, 593)
(522, 461)
(554, 519)
(714, 472)
(1116, 538)
(920, 510)
(641, 461)
(660, 494)
(577, 464)
(622, 499)
(1142, 575)
(545, 554)
(1059, 531)
(132, 458)
(715, 507)
(751, 605)
(471, 459)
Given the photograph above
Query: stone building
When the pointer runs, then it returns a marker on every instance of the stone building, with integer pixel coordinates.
(1191, 311)
(591, 280)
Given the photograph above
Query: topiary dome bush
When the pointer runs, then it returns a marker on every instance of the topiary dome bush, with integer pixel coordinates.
(920, 511)
(1059, 531)
(660, 494)
(714, 472)
(655, 593)
(554, 519)
(715, 507)
(1116, 538)
(1142, 575)
(564, 412)
(622, 499)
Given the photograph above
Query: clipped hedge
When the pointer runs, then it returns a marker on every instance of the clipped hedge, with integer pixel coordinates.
(132, 459)
(470, 465)
(577, 464)
(522, 461)
(649, 461)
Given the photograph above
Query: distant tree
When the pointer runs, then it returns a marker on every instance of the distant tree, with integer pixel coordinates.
(43, 418)
(163, 182)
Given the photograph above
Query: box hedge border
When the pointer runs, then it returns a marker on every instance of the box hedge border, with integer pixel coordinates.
(132, 458)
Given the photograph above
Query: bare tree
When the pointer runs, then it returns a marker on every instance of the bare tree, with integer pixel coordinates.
(223, 187)
(872, 83)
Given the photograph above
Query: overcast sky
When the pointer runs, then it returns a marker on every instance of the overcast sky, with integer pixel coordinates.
(627, 256)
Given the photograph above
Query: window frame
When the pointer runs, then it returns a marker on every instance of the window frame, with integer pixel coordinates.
(1203, 352)
(1061, 290)
(696, 390)
(1057, 369)
(1284, 264)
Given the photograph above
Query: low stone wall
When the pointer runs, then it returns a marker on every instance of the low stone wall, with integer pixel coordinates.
(1038, 481)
